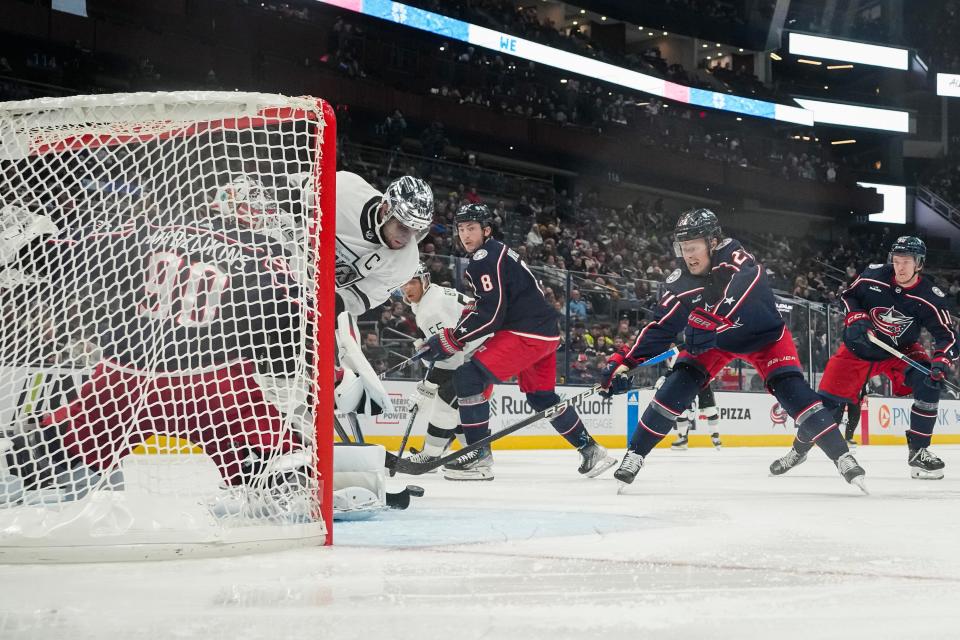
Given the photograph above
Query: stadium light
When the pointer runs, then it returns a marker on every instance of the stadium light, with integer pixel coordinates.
(453, 29)
(802, 44)
(851, 115)
(894, 202)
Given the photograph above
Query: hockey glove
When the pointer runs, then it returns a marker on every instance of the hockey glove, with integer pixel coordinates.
(700, 334)
(426, 392)
(441, 346)
(858, 326)
(939, 368)
(611, 376)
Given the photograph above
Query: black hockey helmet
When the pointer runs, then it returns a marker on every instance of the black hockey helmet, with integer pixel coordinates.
(909, 246)
(693, 224)
(475, 213)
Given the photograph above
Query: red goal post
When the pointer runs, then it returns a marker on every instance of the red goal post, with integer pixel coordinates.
(167, 314)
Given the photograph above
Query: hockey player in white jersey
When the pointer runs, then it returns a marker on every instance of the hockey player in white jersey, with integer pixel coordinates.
(377, 235)
(436, 307)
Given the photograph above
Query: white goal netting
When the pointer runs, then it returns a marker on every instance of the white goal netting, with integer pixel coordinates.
(159, 320)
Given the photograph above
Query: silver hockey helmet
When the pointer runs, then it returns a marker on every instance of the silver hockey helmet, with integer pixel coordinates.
(410, 201)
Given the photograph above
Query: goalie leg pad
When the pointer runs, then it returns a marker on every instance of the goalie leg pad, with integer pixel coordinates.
(359, 480)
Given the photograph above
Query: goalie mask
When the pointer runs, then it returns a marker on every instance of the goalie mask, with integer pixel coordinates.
(409, 200)
(250, 202)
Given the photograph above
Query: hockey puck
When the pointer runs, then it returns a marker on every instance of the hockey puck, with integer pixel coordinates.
(415, 491)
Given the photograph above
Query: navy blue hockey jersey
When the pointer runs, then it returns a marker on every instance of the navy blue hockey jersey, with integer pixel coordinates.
(508, 297)
(898, 313)
(736, 288)
(181, 297)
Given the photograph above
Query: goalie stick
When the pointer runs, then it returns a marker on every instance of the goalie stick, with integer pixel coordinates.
(910, 361)
(401, 465)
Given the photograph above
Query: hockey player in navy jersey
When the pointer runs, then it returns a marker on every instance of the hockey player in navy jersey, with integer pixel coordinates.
(721, 301)
(892, 302)
(509, 305)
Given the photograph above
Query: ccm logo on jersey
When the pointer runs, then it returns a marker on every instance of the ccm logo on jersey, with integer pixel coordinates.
(890, 321)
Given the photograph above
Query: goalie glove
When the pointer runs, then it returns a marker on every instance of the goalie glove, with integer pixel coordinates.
(18, 228)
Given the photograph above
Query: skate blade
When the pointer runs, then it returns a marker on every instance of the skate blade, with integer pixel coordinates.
(718, 447)
(456, 477)
(860, 484)
(601, 467)
(919, 474)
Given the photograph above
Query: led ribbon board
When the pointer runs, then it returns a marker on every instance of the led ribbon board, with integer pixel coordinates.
(851, 115)
(876, 55)
(453, 29)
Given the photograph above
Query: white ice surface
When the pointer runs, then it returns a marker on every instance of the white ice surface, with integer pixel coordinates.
(703, 545)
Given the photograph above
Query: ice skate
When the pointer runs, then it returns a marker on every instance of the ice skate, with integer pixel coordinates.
(594, 459)
(851, 471)
(421, 457)
(475, 465)
(629, 468)
(787, 462)
(851, 443)
(715, 439)
(680, 444)
(924, 465)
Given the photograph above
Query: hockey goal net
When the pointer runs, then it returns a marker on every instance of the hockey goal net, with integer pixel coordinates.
(163, 385)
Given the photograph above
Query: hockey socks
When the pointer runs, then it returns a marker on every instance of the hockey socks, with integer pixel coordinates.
(437, 439)
(568, 424)
(475, 417)
(923, 418)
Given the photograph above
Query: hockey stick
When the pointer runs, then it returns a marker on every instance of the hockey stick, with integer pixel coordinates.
(415, 469)
(413, 417)
(418, 354)
(910, 361)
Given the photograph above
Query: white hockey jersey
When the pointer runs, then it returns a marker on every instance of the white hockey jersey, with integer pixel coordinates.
(367, 271)
(441, 307)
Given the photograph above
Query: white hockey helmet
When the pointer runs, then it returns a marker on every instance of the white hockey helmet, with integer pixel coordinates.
(423, 275)
(410, 201)
(249, 201)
